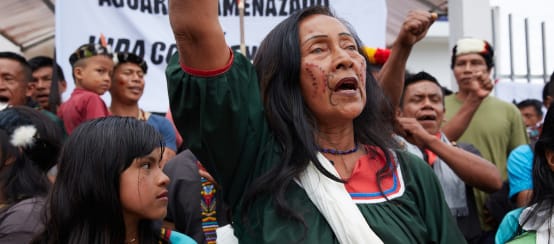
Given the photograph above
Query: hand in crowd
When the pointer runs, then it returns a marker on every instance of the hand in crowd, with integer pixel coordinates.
(481, 86)
(415, 27)
(413, 132)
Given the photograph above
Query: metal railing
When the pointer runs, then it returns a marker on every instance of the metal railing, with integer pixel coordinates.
(528, 75)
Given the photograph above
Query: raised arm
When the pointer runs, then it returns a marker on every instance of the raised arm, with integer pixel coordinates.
(198, 34)
(391, 76)
(472, 169)
(481, 88)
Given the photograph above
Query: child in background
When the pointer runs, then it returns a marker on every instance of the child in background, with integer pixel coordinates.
(29, 146)
(110, 187)
(92, 67)
(126, 90)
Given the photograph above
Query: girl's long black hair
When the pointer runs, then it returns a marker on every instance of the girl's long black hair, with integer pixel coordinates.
(84, 205)
(278, 62)
(543, 174)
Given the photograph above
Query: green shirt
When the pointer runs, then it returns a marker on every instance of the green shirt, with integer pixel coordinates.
(495, 129)
(222, 120)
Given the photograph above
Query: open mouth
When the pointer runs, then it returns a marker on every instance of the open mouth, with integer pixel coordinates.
(427, 118)
(4, 99)
(3, 102)
(347, 84)
(42, 96)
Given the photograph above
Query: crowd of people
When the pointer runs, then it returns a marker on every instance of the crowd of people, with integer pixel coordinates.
(316, 140)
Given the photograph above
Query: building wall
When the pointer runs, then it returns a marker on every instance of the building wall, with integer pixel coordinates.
(433, 57)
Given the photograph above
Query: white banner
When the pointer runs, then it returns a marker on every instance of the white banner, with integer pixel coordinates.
(142, 27)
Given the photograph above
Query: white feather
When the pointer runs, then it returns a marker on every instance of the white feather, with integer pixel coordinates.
(23, 136)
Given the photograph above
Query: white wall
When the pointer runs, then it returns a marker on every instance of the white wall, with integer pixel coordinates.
(432, 54)
(432, 57)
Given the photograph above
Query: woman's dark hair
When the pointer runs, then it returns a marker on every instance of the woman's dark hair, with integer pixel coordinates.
(29, 159)
(543, 175)
(7, 151)
(84, 205)
(277, 63)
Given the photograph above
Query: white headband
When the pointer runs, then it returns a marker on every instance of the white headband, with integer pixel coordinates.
(470, 45)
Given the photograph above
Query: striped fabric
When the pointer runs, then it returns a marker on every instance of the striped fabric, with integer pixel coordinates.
(209, 221)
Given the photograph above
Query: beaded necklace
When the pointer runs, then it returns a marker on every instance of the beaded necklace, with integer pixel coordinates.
(338, 152)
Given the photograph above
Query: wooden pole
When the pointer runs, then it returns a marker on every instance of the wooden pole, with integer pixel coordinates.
(241, 16)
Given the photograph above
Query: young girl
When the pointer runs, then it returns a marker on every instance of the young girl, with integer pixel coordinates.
(29, 146)
(110, 187)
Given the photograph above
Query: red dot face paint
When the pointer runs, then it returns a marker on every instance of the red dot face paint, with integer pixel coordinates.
(318, 79)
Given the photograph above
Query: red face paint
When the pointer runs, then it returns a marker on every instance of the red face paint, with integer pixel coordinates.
(315, 71)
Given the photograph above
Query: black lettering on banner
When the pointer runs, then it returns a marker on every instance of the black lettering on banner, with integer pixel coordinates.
(270, 8)
(133, 4)
(138, 49)
(282, 11)
(122, 45)
(159, 6)
(225, 7)
(266, 7)
(294, 5)
(246, 8)
(228, 6)
(145, 6)
(170, 51)
(117, 3)
(101, 3)
(157, 48)
(258, 7)
(160, 52)
(92, 40)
